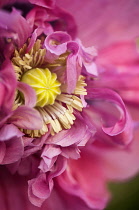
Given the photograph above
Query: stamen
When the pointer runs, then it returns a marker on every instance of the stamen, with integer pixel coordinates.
(54, 104)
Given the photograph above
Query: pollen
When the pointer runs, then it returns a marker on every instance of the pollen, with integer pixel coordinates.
(45, 84)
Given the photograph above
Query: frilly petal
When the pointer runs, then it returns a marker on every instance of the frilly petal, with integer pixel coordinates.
(78, 134)
(57, 42)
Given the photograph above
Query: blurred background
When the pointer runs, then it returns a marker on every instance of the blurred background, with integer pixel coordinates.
(125, 195)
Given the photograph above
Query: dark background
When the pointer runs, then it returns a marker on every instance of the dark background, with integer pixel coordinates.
(125, 195)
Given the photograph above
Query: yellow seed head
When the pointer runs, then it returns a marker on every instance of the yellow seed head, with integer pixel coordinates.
(45, 84)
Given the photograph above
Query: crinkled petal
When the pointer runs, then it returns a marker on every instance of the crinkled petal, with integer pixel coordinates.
(77, 134)
(57, 42)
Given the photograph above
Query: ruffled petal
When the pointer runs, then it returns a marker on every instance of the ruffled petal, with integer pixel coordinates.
(52, 20)
(78, 134)
(39, 189)
(57, 42)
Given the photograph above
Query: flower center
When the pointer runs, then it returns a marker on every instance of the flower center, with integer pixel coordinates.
(56, 106)
(45, 84)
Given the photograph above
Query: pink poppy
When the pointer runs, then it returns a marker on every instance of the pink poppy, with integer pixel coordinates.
(63, 129)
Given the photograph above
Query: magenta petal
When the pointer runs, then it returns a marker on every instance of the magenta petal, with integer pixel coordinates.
(112, 97)
(7, 85)
(26, 118)
(44, 3)
(13, 150)
(13, 188)
(29, 94)
(9, 22)
(98, 22)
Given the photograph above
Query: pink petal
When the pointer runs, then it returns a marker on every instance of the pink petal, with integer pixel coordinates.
(9, 131)
(77, 134)
(73, 48)
(8, 85)
(113, 97)
(75, 182)
(57, 42)
(13, 188)
(39, 189)
(9, 22)
(13, 150)
(29, 94)
(44, 3)
(98, 22)
(26, 118)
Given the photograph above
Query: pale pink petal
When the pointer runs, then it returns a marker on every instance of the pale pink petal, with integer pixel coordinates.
(73, 48)
(8, 85)
(57, 42)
